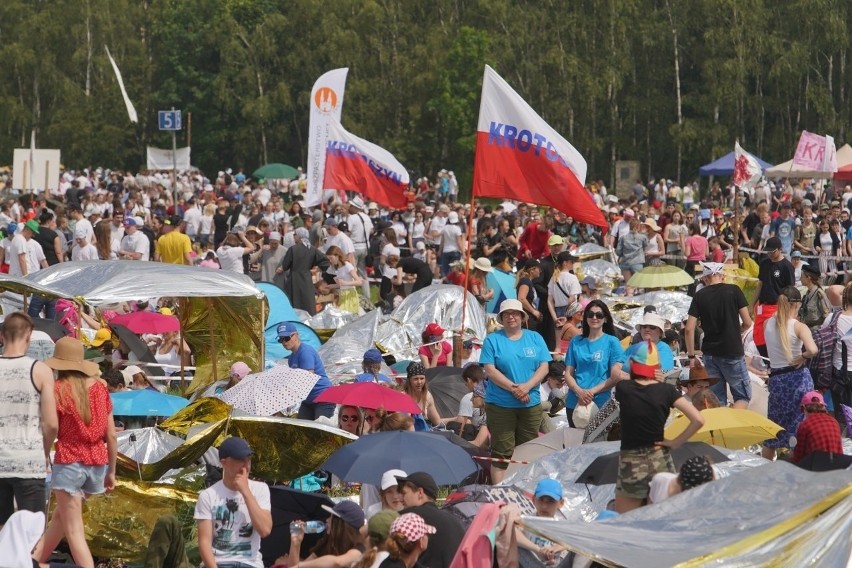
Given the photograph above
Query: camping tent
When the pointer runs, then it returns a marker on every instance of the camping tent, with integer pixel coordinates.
(724, 166)
(790, 170)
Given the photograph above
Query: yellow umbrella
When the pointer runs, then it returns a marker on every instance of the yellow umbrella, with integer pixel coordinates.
(731, 428)
(660, 276)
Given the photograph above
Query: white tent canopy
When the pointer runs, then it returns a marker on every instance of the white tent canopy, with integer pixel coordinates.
(790, 170)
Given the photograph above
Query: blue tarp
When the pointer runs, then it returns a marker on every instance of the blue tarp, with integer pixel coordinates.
(503, 284)
(724, 166)
(280, 310)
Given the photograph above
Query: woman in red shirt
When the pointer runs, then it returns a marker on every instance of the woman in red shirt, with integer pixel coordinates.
(435, 352)
(84, 462)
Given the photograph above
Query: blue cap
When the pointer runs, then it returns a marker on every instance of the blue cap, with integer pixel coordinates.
(11, 228)
(235, 448)
(286, 329)
(372, 356)
(549, 488)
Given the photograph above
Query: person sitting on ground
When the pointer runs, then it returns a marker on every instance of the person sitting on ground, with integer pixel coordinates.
(435, 352)
(695, 471)
(389, 497)
(408, 541)
(140, 379)
(554, 389)
(396, 422)
(547, 500)
(471, 350)
(341, 545)
(694, 380)
(372, 365)
(114, 380)
(652, 327)
(378, 531)
(419, 492)
(572, 327)
(350, 419)
(645, 401)
(417, 389)
(469, 420)
(704, 399)
(818, 432)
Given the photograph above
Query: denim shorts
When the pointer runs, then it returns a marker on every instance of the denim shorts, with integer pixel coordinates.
(78, 479)
(733, 372)
(631, 267)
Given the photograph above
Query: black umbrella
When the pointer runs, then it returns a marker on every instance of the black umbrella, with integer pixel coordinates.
(447, 388)
(483, 474)
(824, 461)
(604, 470)
(138, 348)
(289, 505)
(51, 328)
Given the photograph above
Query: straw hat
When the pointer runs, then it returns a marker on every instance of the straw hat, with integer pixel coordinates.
(653, 225)
(68, 355)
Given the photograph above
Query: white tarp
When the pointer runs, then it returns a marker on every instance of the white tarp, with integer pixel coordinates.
(39, 174)
(161, 159)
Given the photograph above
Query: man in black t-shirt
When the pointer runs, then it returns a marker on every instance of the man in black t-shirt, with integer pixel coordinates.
(419, 492)
(775, 274)
(723, 312)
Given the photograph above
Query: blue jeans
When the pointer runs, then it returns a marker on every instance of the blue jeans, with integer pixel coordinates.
(37, 303)
(313, 410)
(448, 258)
(733, 372)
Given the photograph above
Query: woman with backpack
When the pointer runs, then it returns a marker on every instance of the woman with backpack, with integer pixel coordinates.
(815, 305)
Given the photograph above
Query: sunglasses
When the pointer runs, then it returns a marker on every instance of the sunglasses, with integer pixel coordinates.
(648, 327)
(285, 338)
(596, 315)
(348, 418)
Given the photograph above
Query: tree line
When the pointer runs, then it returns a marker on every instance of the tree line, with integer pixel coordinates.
(670, 83)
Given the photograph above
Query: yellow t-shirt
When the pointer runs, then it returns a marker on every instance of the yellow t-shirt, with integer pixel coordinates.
(172, 247)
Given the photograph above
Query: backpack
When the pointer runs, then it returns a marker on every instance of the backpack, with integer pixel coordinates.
(821, 366)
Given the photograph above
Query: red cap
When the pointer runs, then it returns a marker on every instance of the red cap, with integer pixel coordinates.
(433, 329)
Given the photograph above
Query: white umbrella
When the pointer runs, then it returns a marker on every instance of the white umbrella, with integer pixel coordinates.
(271, 391)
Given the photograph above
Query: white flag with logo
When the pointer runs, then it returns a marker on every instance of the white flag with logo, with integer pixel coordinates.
(326, 103)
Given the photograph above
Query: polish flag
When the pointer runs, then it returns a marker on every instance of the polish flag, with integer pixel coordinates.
(519, 156)
(353, 164)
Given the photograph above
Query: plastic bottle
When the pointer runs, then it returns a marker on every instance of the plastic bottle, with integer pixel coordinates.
(310, 527)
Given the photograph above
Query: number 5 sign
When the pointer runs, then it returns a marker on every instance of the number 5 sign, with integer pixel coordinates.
(169, 119)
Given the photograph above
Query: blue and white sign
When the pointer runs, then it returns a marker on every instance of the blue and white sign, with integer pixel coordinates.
(169, 119)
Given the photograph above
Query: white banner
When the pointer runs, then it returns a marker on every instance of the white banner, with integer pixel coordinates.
(326, 102)
(35, 170)
(131, 110)
(160, 159)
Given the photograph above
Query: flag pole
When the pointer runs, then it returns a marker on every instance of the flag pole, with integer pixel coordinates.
(466, 267)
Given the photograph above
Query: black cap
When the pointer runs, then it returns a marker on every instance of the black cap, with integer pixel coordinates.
(565, 256)
(650, 309)
(791, 293)
(422, 480)
(811, 270)
(772, 244)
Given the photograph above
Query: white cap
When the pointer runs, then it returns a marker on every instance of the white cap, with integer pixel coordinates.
(711, 268)
(390, 250)
(275, 236)
(389, 478)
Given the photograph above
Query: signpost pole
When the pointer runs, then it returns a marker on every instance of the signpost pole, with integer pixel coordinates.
(174, 165)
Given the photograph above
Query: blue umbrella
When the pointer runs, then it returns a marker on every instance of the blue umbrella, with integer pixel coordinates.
(146, 402)
(366, 459)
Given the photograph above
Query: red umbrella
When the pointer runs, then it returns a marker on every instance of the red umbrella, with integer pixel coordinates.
(370, 395)
(147, 322)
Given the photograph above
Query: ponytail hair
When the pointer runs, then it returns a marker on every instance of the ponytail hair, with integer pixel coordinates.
(397, 545)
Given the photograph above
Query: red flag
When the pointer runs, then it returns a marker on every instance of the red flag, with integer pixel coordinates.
(519, 156)
(352, 163)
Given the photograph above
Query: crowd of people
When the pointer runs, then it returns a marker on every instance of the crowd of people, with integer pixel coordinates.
(556, 348)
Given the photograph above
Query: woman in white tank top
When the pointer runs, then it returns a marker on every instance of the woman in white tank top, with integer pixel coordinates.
(789, 345)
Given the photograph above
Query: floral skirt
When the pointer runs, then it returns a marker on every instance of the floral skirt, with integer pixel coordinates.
(785, 396)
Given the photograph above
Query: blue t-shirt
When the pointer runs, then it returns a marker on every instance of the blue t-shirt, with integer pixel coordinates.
(368, 378)
(306, 357)
(518, 359)
(592, 361)
(663, 350)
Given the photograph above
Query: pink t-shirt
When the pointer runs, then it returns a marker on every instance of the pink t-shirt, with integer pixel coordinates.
(697, 247)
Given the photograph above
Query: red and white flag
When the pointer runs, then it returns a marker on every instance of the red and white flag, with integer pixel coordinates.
(520, 156)
(747, 170)
(326, 104)
(816, 152)
(352, 163)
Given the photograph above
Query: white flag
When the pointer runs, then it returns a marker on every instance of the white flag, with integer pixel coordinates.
(131, 111)
(747, 170)
(326, 103)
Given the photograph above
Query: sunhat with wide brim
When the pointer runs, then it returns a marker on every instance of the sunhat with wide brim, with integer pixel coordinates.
(68, 355)
(483, 264)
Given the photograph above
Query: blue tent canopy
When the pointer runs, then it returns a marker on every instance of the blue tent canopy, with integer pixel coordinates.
(724, 166)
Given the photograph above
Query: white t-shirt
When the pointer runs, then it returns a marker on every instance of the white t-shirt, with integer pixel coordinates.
(360, 227)
(660, 483)
(88, 252)
(342, 241)
(137, 242)
(344, 272)
(234, 538)
(192, 217)
(466, 409)
(450, 233)
(569, 284)
(231, 258)
(85, 225)
(15, 250)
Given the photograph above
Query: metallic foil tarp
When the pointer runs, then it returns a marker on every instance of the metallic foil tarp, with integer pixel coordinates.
(400, 333)
(119, 524)
(202, 411)
(629, 310)
(342, 354)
